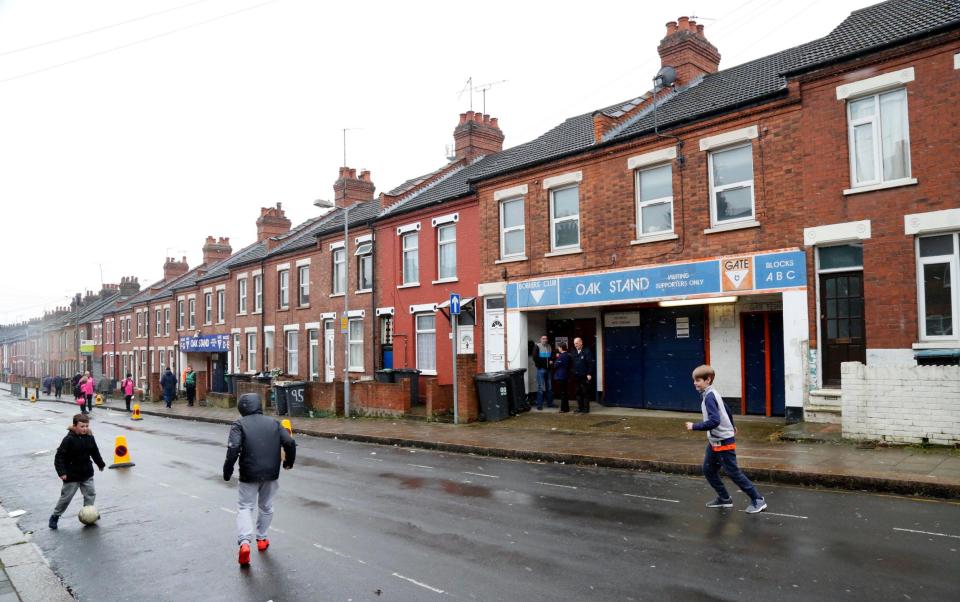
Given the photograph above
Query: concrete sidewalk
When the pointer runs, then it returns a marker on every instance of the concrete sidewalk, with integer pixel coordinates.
(24, 573)
(654, 441)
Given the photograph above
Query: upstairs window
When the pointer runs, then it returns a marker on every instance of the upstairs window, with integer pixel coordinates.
(242, 295)
(339, 271)
(512, 228)
(221, 305)
(654, 200)
(303, 282)
(731, 185)
(208, 308)
(284, 288)
(411, 258)
(364, 255)
(879, 138)
(257, 293)
(447, 251)
(565, 218)
(192, 313)
(181, 314)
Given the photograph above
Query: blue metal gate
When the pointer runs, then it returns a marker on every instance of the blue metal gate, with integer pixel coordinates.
(762, 343)
(673, 345)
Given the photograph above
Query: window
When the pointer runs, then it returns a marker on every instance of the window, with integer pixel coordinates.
(284, 287)
(303, 281)
(313, 336)
(355, 340)
(129, 328)
(166, 320)
(364, 255)
(654, 200)
(208, 308)
(938, 274)
(292, 351)
(221, 305)
(236, 353)
(447, 251)
(731, 185)
(252, 351)
(257, 293)
(339, 271)
(879, 138)
(565, 218)
(158, 321)
(192, 315)
(426, 342)
(242, 295)
(180, 315)
(267, 350)
(139, 324)
(512, 228)
(411, 259)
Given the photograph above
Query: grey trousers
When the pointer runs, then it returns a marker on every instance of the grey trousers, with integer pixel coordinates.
(69, 489)
(258, 494)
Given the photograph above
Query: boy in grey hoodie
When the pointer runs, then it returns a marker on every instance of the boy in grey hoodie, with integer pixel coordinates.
(721, 445)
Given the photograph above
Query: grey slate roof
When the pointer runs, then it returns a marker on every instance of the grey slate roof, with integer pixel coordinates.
(252, 252)
(96, 310)
(360, 214)
(303, 236)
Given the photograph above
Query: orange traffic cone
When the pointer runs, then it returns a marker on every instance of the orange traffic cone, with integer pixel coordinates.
(99, 400)
(135, 415)
(121, 454)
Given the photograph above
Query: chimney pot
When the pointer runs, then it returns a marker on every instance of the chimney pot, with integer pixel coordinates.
(682, 23)
(700, 30)
(671, 27)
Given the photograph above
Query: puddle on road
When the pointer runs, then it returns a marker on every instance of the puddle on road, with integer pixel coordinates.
(445, 485)
(308, 503)
(308, 461)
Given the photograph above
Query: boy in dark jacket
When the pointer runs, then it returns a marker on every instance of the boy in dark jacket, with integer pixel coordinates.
(73, 466)
(256, 440)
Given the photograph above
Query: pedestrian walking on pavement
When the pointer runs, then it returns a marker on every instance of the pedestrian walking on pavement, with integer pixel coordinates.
(169, 383)
(75, 385)
(87, 385)
(721, 444)
(190, 383)
(74, 468)
(126, 387)
(582, 361)
(543, 360)
(57, 386)
(257, 441)
(561, 376)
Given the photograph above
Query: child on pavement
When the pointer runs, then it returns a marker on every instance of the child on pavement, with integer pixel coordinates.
(256, 440)
(721, 446)
(126, 387)
(73, 466)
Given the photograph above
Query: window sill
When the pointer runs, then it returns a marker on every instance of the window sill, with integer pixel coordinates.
(734, 226)
(428, 372)
(939, 344)
(240, 313)
(218, 322)
(356, 370)
(365, 291)
(409, 285)
(332, 295)
(445, 280)
(576, 251)
(287, 308)
(642, 240)
(303, 306)
(881, 186)
(510, 260)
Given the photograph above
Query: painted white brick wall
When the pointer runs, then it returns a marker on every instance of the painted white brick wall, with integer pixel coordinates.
(902, 404)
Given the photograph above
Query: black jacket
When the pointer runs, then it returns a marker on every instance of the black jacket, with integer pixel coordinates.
(168, 381)
(74, 455)
(582, 362)
(257, 439)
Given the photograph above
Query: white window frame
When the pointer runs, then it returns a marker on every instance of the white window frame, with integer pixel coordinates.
(236, 353)
(242, 296)
(444, 243)
(158, 313)
(191, 314)
(251, 352)
(283, 288)
(734, 185)
(954, 261)
(504, 231)
(313, 343)
(877, 127)
(413, 250)
(354, 343)
(338, 277)
(208, 308)
(649, 203)
(432, 337)
(364, 253)
(257, 293)
(221, 305)
(303, 285)
(292, 351)
(268, 349)
(181, 316)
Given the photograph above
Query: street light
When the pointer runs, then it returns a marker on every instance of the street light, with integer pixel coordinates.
(327, 204)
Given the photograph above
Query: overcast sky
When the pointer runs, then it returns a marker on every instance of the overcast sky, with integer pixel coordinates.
(132, 129)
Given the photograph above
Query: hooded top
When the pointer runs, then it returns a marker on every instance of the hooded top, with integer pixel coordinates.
(256, 440)
(74, 455)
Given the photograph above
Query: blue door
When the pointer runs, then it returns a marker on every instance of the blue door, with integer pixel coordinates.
(673, 345)
(777, 386)
(623, 367)
(762, 338)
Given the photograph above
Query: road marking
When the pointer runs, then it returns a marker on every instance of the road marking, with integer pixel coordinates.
(41, 452)
(278, 530)
(787, 515)
(374, 459)
(555, 485)
(927, 533)
(162, 484)
(332, 551)
(228, 510)
(480, 474)
(196, 497)
(415, 582)
(656, 499)
(334, 453)
(421, 466)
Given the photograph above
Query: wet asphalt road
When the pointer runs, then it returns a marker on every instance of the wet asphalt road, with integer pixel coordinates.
(364, 522)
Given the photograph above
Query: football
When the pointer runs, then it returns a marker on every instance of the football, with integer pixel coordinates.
(88, 515)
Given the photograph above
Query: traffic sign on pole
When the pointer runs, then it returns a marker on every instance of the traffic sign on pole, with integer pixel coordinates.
(455, 304)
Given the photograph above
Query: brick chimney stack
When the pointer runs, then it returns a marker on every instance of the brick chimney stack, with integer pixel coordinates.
(216, 250)
(350, 189)
(687, 50)
(173, 268)
(272, 222)
(476, 135)
(129, 286)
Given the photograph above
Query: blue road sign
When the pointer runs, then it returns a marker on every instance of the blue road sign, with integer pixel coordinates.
(455, 304)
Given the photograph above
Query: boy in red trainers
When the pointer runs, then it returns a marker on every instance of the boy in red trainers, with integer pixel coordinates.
(256, 440)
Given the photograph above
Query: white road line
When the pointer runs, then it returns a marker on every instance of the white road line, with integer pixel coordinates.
(278, 530)
(332, 551)
(162, 484)
(334, 453)
(228, 510)
(374, 459)
(415, 582)
(555, 485)
(196, 497)
(787, 515)
(927, 533)
(41, 452)
(480, 474)
(421, 466)
(656, 499)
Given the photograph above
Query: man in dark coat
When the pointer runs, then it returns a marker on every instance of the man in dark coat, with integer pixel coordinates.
(75, 383)
(74, 467)
(583, 374)
(169, 383)
(257, 441)
(58, 386)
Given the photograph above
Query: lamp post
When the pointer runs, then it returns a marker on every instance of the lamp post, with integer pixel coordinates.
(346, 300)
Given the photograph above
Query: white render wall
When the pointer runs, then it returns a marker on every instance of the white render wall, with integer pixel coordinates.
(902, 404)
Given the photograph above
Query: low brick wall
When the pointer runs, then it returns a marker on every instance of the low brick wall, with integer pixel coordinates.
(220, 400)
(901, 404)
(262, 390)
(439, 398)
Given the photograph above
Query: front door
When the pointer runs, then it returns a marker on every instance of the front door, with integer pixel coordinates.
(493, 333)
(328, 352)
(841, 323)
(219, 384)
(762, 357)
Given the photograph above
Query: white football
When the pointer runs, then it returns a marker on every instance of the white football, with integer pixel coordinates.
(88, 515)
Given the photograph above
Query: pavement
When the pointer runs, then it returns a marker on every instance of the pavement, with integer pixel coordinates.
(644, 440)
(24, 573)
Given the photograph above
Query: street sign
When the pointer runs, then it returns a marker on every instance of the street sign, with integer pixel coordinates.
(344, 325)
(455, 304)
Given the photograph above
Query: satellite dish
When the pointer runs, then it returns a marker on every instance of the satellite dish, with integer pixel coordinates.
(665, 77)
